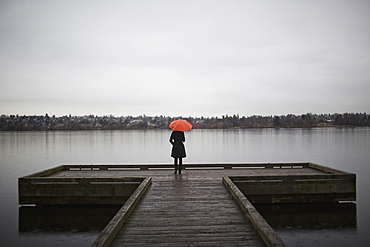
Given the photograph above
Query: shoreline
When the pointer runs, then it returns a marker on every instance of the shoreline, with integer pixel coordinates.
(229, 128)
(91, 122)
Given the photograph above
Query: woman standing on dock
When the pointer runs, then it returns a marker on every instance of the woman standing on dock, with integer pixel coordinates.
(177, 140)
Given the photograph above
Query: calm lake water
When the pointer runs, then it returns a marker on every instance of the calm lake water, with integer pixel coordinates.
(23, 153)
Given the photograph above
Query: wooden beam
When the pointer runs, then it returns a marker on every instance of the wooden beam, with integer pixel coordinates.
(298, 188)
(107, 236)
(76, 190)
(199, 166)
(268, 235)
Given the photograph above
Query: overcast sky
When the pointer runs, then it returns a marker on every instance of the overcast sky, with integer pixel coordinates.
(184, 58)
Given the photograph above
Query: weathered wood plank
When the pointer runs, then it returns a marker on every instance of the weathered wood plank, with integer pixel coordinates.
(325, 169)
(47, 172)
(186, 239)
(230, 228)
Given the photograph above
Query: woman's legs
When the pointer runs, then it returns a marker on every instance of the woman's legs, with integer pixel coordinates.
(178, 165)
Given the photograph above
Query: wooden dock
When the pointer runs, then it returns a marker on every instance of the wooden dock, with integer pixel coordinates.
(187, 210)
(200, 207)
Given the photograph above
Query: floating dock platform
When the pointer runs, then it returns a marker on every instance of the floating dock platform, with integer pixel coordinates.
(207, 205)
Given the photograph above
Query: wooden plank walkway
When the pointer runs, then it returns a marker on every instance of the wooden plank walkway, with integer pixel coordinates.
(185, 210)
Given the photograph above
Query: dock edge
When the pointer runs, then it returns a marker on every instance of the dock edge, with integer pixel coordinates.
(107, 236)
(268, 235)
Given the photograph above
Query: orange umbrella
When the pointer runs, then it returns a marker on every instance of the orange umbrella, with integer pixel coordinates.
(180, 125)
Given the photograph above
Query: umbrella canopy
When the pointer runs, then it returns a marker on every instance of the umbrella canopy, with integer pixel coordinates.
(180, 125)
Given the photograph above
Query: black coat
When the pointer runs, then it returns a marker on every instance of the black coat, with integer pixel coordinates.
(178, 149)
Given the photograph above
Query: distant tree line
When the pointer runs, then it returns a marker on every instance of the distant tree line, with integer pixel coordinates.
(91, 122)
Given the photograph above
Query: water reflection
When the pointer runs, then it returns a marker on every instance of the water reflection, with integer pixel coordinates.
(309, 216)
(65, 218)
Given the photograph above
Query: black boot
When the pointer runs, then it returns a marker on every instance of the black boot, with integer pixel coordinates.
(176, 167)
(180, 168)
